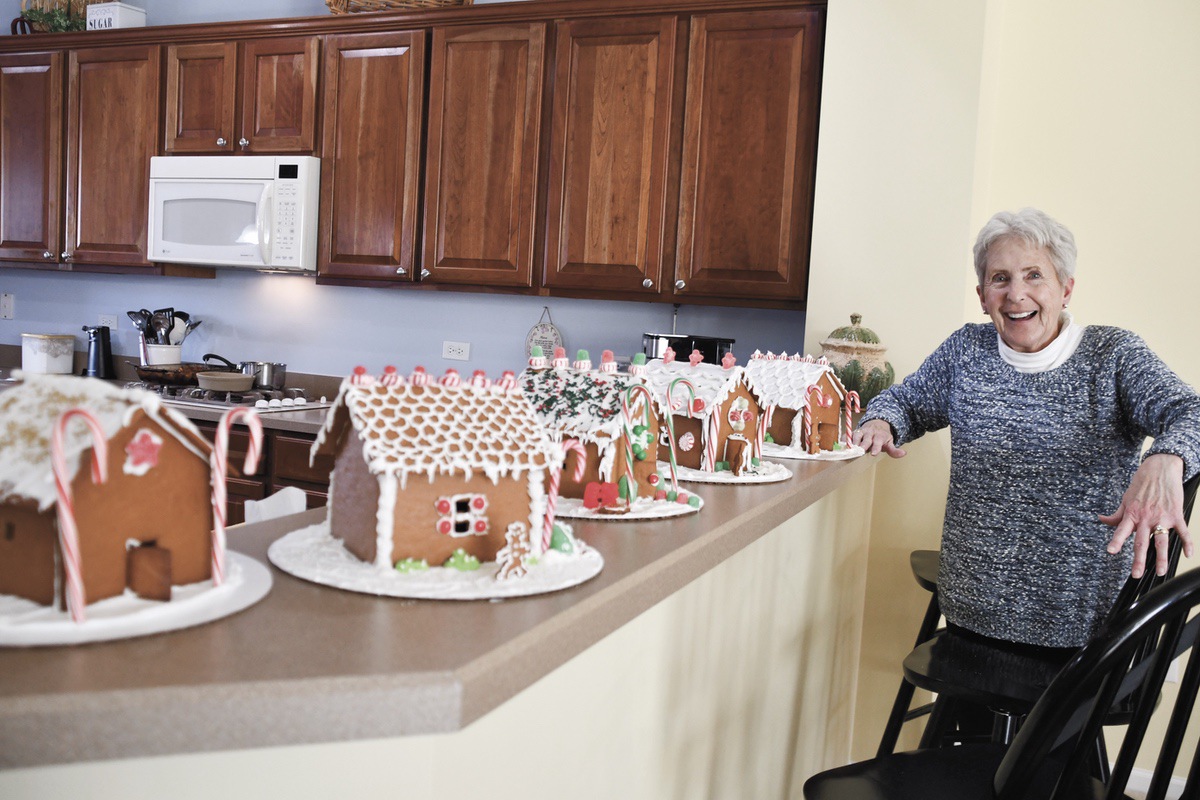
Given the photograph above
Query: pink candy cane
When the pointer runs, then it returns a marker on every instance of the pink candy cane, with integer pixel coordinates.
(569, 445)
(217, 463)
(68, 533)
(710, 443)
(760, 434)
(815, 389)
(671, 406)
(851, 400)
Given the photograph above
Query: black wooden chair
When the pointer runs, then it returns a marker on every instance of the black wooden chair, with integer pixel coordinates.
(1051, 756)
(965, 672)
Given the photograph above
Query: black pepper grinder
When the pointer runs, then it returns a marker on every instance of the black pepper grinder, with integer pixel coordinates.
(99, 353)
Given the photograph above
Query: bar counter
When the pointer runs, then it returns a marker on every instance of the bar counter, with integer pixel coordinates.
(311, 664)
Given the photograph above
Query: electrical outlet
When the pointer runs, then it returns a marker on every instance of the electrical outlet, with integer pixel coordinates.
(456, 351)
(7, 306)
(108, 321)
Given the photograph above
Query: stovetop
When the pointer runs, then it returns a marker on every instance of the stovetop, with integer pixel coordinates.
(264, 401)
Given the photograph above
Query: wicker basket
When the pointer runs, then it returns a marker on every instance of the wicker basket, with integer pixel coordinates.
(355, 6)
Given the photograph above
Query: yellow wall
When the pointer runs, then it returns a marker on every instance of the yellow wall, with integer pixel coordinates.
(937, 114)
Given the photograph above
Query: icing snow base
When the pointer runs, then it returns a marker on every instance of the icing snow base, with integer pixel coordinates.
(772, 450)
(24, 623)
(313, 554)
(642, 508)
(765, 472)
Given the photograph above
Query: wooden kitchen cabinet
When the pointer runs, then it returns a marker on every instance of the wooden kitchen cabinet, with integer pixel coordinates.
(31, 155)
(112, 124)
(610, 133)
(481, 173)
(749, 155)
(259, 96)
(371, 143)
(290, 467)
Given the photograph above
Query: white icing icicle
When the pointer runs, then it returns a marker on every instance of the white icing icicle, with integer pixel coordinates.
(385, 520)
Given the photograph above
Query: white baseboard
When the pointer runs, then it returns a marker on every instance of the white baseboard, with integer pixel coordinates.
(1139, 784)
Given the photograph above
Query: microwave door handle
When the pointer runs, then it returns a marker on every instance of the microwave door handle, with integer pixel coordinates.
(265, 222)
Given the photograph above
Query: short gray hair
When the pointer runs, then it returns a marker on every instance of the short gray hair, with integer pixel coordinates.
(1037, 228)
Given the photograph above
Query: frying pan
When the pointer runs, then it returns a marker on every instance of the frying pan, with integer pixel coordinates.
(178, 374)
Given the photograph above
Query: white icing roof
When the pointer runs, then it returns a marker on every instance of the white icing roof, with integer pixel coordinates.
(712, 382)
(29, 412)
(784, 382)
(580, 404)
(406, 428)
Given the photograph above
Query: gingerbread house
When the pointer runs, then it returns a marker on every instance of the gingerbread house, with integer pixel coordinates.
(716, 418)
(806, 404)
(146, 527)
(610, 414)
(426, 468)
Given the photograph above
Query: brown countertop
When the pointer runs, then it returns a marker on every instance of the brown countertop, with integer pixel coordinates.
(314, 664)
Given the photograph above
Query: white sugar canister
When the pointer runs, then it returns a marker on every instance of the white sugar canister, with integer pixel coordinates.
(48, 353)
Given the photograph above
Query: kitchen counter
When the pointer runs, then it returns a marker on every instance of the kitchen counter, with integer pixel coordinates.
(312, 664)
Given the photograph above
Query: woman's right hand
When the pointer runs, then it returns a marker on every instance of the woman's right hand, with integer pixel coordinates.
(875, 436)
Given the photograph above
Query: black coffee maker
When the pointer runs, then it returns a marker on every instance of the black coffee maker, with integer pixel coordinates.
(99, 353)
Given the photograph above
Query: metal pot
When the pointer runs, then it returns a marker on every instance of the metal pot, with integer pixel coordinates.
(267, 374)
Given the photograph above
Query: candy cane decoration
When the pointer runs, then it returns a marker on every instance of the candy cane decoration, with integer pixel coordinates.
(569, 445)
(671, 406)
(710, 442)
(815, 389)
(627, 413)
(851, 400)
(68, 533)
(760, 434)
(217, 461)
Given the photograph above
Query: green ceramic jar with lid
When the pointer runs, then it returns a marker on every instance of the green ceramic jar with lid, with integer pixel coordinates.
(858, 359)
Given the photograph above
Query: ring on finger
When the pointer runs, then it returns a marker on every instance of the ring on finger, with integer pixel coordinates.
(1159, 530)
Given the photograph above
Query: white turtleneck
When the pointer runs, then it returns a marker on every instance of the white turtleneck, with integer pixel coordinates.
(1052, 355)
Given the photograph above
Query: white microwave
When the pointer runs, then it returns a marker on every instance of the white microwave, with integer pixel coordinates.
(258, 212)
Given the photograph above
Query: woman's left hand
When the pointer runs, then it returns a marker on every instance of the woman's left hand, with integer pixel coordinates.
(1153, 500)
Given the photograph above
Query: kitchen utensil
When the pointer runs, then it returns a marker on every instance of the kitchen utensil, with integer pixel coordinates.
(192, 324)
(99, 352)
(160, 354)
(176, 374)
(225, 381)
(178, 331)
(267, 374)
(160, 328)
(141, 320)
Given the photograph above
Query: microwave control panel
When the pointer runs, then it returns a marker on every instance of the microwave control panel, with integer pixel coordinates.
(296, 197)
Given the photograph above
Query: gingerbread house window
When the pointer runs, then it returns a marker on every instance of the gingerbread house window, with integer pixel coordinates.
(462, 515)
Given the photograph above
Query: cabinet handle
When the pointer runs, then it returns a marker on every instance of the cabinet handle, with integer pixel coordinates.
(647, 284)
(65, 256)
(221, 141)
(244, 142)
(680, 284)
(401, 271)
(424, 273)
(47, 255)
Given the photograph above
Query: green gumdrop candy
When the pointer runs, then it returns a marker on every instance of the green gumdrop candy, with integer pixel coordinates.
(536, 351)
(694, 501)
(581, 355)
(639, 358)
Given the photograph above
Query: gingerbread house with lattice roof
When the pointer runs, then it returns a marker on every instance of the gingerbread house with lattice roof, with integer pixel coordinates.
(611, 415)
(147, 527)
(424, 468)
(718, 428)
(802, 396)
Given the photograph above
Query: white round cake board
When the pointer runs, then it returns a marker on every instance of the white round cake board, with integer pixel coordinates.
(313, 554)
(772, 450)
(641, 509)
(24, 623)
(765, 472)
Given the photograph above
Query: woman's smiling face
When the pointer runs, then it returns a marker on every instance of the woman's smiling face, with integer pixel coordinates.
(1022, 294)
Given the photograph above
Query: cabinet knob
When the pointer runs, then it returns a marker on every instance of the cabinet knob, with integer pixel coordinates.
(244, 142)
(47, 254)
(424, 273)
(401, 271)
(65, 256)
(680, 284)
(221, 141)
(647, 284)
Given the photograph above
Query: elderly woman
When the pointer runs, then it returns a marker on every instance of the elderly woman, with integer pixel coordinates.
(1048, 508)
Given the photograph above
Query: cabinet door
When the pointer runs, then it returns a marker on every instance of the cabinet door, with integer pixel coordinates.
(112, 131)
(371, 155)
(201, 93)
(749, 152)
(485, 88)
(608, 154)
(279, 95)
(31, 114)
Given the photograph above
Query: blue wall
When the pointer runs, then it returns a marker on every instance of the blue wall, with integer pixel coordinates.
(329, 330)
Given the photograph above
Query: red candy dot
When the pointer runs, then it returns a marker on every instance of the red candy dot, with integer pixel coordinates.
(360, 370)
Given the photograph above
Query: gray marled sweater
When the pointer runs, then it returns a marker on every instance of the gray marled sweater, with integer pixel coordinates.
(1035, 458)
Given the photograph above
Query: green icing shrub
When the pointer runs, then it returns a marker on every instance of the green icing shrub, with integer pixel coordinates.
(462, 561)
(412, 565)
